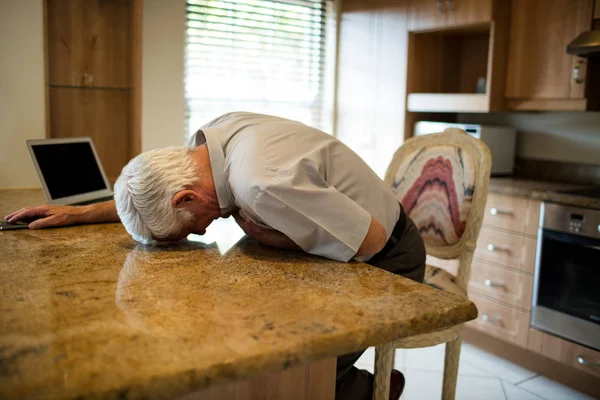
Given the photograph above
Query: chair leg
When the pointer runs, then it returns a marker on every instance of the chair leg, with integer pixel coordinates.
(384, 361)
(451, 369)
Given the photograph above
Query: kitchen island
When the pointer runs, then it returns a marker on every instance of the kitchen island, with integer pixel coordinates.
(86, 312)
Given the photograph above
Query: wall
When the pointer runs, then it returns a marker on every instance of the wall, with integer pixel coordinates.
(163, 105)
(22, 94)
(559, 136)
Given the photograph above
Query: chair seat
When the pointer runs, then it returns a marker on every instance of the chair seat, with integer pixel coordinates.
(443, 280)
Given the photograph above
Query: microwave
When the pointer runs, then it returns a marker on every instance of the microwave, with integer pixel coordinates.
(501, 141)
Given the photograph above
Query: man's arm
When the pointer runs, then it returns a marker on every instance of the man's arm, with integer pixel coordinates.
(47, 216)
(373, 243)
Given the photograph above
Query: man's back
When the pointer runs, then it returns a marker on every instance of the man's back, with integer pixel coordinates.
(287, 176)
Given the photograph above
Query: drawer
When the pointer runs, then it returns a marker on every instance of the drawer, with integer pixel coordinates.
(509, 287)
(512, 213)
(503, 322)
(564, 351)
(507, 249)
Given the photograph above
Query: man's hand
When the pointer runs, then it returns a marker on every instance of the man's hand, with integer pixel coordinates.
(48, 216)
(268, 237)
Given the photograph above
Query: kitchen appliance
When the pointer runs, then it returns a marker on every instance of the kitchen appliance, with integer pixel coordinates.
(500, 140)
(566, 291)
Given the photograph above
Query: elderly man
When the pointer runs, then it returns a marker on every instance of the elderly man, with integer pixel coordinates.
(287, 185)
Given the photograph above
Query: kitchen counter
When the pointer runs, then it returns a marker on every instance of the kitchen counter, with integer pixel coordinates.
(542, 190)
(87, 312)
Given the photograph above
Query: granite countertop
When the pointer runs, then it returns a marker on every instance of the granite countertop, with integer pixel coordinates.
(542, 190)
(87, 312)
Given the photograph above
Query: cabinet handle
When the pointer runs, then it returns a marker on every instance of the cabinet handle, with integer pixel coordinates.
(449, 5)
(495, 211)
(587, 363)
(490, 283)
(439, 6)
(491, 319)
(577, 72)
(491, 247)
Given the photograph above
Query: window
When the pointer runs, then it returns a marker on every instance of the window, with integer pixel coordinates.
(271, 57)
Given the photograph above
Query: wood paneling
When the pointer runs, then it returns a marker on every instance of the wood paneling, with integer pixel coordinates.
(563, 351)
(506, 249)
(512, 213)
(546, 104)
(506, 286)
(136, 78)
(427, 14)
(538, 66)
(503, 322)
(103, 115)
(315, 381)
(467, 12)
(92, 36)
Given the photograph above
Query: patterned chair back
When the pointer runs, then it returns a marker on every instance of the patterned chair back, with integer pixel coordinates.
(442, 182)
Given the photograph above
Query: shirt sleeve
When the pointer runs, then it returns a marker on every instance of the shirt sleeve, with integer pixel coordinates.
(316, 216)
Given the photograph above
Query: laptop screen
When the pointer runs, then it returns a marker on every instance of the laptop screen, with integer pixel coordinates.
(69, 169)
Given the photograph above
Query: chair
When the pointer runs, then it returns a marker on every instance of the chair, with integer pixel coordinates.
(442, 183)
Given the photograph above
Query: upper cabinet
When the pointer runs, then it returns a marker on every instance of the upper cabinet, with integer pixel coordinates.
(540, 74)
(439, 14)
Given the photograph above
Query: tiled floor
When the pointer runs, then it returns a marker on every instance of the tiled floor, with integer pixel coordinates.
(481, 375)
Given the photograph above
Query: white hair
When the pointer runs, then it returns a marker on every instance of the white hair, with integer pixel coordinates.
(145, 190)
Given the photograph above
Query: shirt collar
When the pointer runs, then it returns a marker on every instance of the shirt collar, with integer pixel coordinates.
(217, 165)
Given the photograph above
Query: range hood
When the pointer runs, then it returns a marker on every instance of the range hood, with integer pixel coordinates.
(585, 44)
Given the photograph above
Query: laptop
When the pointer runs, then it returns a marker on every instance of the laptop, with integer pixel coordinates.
(70, 171)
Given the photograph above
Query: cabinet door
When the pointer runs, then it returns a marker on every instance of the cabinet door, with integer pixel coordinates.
(468, 12)
(538, 65)
(426, 14)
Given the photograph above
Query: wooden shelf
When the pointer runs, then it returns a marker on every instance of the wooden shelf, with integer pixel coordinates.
(447, 102)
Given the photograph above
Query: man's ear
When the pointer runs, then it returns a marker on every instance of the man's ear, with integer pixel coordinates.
(183, 198)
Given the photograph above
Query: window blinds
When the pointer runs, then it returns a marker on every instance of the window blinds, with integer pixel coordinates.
(260, 56)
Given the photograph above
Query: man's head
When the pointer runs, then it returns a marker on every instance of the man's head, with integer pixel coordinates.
(160, 195)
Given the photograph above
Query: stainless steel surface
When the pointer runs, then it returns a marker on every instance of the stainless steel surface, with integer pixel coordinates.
(583, 361)
(495, 211)
(573, 220)
(563, 325)
(584, 44)
(490, 319)
(492, 247)
(577, 72)
(490, 283)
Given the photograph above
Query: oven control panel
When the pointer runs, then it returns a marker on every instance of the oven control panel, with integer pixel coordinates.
(573, 220)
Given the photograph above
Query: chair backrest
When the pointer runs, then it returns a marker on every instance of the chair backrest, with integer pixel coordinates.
(442, 181)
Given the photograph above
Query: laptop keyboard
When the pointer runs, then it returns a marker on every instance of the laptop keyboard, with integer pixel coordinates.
(100, 200)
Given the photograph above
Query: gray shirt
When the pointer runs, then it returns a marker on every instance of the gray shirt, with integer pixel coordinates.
(298, 180)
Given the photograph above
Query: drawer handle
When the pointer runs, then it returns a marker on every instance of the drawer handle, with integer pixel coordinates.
(587, 363)
(495, 211)
(490, 283)
(491, 319)
(491, 247)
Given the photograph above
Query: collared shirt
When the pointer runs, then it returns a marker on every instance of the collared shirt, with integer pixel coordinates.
(298, 180)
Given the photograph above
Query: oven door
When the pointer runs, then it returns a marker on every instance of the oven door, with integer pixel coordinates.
(566, 298)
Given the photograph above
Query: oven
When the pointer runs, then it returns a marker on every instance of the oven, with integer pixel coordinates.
(566, 292)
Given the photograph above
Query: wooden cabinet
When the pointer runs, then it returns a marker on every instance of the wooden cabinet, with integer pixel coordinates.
(93, 76)
(572, 354)
(436, 14)
(540, 74)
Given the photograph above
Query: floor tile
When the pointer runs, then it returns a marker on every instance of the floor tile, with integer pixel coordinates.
(494, 366)
(513, 392)
(426, 385)
(551, 390)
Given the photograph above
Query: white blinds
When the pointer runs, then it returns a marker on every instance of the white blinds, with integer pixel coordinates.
(262, 56)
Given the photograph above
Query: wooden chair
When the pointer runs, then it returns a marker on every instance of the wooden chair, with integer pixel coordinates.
(442, 182)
